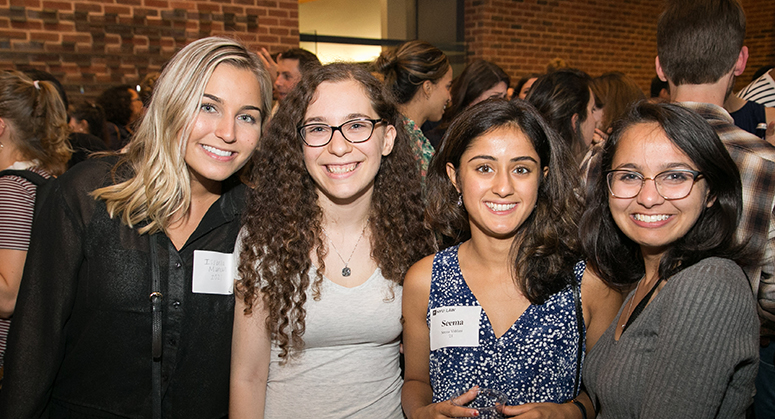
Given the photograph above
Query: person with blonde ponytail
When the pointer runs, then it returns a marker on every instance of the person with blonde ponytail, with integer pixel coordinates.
(33, 139)
(125, 307)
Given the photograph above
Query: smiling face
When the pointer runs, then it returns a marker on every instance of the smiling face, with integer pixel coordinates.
(499, 176)
(344, 172)
(439, 96)
(499, 91)
(227, 126)
(648, 219)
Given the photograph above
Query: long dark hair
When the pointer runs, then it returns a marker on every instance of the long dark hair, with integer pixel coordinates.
(282, 222)
(546, 246)
(618, 259)
(475, 79)
(560, 95)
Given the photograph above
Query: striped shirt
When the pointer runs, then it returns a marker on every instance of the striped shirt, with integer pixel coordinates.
(17, 204)
(755, 159)
(761, 90)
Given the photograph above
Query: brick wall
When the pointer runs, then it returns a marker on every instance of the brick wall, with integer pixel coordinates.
(92, 44)
(522, 36)
(759, 37)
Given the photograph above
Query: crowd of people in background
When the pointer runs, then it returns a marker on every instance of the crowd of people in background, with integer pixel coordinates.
(251, 235)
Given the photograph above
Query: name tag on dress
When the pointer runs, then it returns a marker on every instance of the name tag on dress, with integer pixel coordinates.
(213, 272)
(455, 326)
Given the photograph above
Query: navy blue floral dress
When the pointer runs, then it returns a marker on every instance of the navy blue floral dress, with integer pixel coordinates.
(534, 361)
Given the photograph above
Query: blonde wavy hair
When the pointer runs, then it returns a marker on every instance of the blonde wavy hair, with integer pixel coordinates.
(37, 118)
(158, 186)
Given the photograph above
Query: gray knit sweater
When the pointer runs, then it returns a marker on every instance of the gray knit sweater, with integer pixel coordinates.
(692, 353)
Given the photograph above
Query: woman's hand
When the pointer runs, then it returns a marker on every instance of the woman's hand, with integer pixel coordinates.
(269, 63)
(450, 408)
(543, 411)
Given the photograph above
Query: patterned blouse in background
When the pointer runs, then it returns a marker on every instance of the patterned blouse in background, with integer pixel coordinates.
(421, 147)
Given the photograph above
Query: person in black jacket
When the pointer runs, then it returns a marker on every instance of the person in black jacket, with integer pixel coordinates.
(125, 306)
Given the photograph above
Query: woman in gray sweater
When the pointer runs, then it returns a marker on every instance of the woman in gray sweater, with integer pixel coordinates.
(662, 221)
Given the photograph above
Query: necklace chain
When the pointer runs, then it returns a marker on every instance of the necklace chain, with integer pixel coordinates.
(346, 271)
(629, 306)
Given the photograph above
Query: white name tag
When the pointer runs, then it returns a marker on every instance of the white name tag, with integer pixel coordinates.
(455, 326)
(213, 272)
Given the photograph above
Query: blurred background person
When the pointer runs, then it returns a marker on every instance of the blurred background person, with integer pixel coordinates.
(566, 100)
(762, 87)
(616, 92)
(291, 66)
(82, 144)
(87, 123)
(33, 139)
(480, 80)
(522, 88)
(122, 106)
(419, 77)
(146, 87)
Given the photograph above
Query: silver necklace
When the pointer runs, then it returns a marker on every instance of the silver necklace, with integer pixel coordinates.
(629, 306)
(346, 271)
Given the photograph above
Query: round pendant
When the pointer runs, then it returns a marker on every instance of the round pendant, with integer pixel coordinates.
(346, 271)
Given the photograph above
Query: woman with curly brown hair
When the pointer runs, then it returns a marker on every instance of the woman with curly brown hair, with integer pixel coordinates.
(508, 307)
(334, 222)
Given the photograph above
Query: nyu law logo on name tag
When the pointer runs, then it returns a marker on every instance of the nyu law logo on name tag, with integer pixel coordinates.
(455, 326)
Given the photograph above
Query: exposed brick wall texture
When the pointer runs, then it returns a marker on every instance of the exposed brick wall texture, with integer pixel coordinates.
(522, 36)
(94, 44)
(759, 37)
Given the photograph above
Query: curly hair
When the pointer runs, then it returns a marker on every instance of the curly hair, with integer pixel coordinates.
(282, 223)
(407, 66)
(546, 245)
(34, 111)
(616, 258)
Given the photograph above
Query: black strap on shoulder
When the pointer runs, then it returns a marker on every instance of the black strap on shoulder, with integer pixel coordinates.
(580, 325)
(641, 305)
(31, 176)
(156, 345)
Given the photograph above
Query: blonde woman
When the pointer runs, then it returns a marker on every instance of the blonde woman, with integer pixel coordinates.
(132, 317)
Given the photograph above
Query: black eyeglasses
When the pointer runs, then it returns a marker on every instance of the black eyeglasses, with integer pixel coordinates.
(354, 131)
(670, 184)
